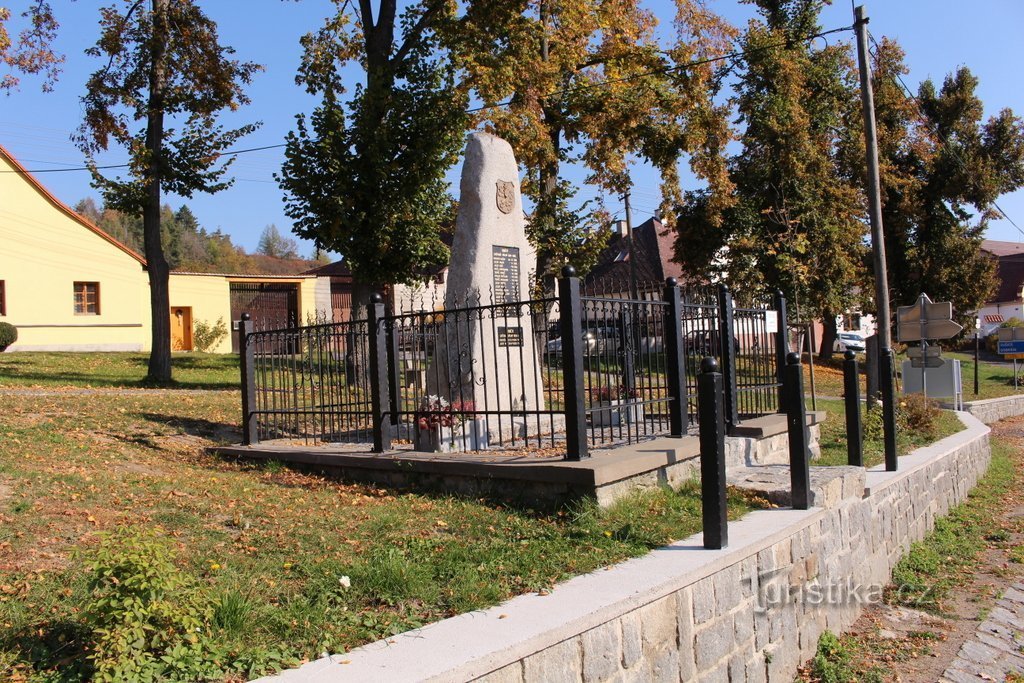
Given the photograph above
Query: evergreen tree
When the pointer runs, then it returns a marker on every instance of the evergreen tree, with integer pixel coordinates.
(942, 169)
(272, 243)
(797, 221)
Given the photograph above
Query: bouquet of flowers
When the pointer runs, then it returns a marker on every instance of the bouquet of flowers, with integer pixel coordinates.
(434, 411)
(612, 392)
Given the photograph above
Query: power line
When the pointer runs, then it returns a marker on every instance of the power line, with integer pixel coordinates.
(731, 56)
(898, 80)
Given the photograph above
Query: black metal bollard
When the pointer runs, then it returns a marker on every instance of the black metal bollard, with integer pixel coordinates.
(796, 420)
(888, 388)
(247, 360)
(854, 429)
(570, 308)
(711, 415)
(380, 401)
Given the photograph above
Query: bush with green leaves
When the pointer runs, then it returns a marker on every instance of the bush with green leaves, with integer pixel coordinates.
(8, 335)
(206, 337)
(148, 622)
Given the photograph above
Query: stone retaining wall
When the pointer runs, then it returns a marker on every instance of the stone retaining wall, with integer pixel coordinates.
(995, 409)
(750, 612)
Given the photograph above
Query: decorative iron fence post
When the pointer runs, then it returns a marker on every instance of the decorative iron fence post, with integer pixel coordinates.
(675, 362)
(394, 371)
(380, 402)
(851, 392)
(781, 343)
(247, 361)
(711, 420)
(727, 337)
(570, 308)
(796, 421)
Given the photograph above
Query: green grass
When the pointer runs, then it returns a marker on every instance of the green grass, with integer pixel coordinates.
(945, 560)
(935, 568)
(833, 434)
(271, 549)
(108, 370)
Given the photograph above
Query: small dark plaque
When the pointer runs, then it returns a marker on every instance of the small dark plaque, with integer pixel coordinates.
(506, 274)
(510, 336)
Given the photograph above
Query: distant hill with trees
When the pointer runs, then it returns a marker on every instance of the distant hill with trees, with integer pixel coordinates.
(190, 247)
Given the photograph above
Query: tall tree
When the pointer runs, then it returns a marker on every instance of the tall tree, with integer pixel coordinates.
(364, 174)
(273, 243)
(593, 82)
(942, 169)
(165, 80)
(797, 222)
(30, 52)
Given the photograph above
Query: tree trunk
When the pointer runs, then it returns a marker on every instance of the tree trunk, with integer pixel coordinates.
(159, 297)
(828, 336)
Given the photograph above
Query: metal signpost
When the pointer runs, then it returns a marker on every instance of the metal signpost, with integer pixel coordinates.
(1011, 347)
(923, 321)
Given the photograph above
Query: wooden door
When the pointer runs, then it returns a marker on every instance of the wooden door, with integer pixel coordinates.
(181, 328)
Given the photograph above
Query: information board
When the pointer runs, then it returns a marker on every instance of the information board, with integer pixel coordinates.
(505, 261)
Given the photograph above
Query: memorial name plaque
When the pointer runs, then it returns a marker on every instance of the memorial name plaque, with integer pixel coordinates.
(506, 274)
(510, 336)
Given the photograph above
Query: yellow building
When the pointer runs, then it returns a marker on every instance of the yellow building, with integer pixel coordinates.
(69, 286)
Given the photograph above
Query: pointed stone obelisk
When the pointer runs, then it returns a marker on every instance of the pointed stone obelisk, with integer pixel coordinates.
(488, 352)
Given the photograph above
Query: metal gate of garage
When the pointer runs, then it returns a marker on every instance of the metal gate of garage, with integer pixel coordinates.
(272, 305)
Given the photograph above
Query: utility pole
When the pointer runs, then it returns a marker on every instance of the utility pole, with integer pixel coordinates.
(634, 293)
(884, 332)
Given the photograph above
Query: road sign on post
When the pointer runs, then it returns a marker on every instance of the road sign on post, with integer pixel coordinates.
(926, 320)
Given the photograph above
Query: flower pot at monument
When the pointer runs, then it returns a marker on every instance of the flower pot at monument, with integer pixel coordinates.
(469, 436)
(606, 413)
(632, 414)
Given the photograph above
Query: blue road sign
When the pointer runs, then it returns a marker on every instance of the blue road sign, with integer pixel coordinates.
(1015, 346)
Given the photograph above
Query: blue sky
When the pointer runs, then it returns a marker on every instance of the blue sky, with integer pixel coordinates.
(938, 36)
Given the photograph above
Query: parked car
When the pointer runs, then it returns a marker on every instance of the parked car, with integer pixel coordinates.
(705, 343)
(849, 341)
(554, 346)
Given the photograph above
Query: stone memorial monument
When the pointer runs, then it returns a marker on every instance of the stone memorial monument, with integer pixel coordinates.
(489, 356)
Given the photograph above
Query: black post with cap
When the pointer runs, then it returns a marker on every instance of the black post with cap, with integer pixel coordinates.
(851, 394)
(799, 438)
(711, 419)
(570, 309)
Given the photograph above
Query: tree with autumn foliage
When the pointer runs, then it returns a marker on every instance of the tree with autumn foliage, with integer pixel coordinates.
(364, 174)
(942, 169)
(29, 52)
(797, 223)
(593, 83)
(165, 79)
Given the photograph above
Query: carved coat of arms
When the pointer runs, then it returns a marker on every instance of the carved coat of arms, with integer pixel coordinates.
(506, 196)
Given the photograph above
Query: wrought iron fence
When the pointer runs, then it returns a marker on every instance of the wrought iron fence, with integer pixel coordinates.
(475, 376)
(571, 373)
(307, 383)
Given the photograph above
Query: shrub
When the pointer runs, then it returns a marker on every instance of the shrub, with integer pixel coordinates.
(8, 335)
(148, 622)
(205, 336)
(918, 414)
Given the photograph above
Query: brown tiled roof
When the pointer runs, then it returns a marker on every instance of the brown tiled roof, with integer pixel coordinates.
(998, 248)
(652, 249)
